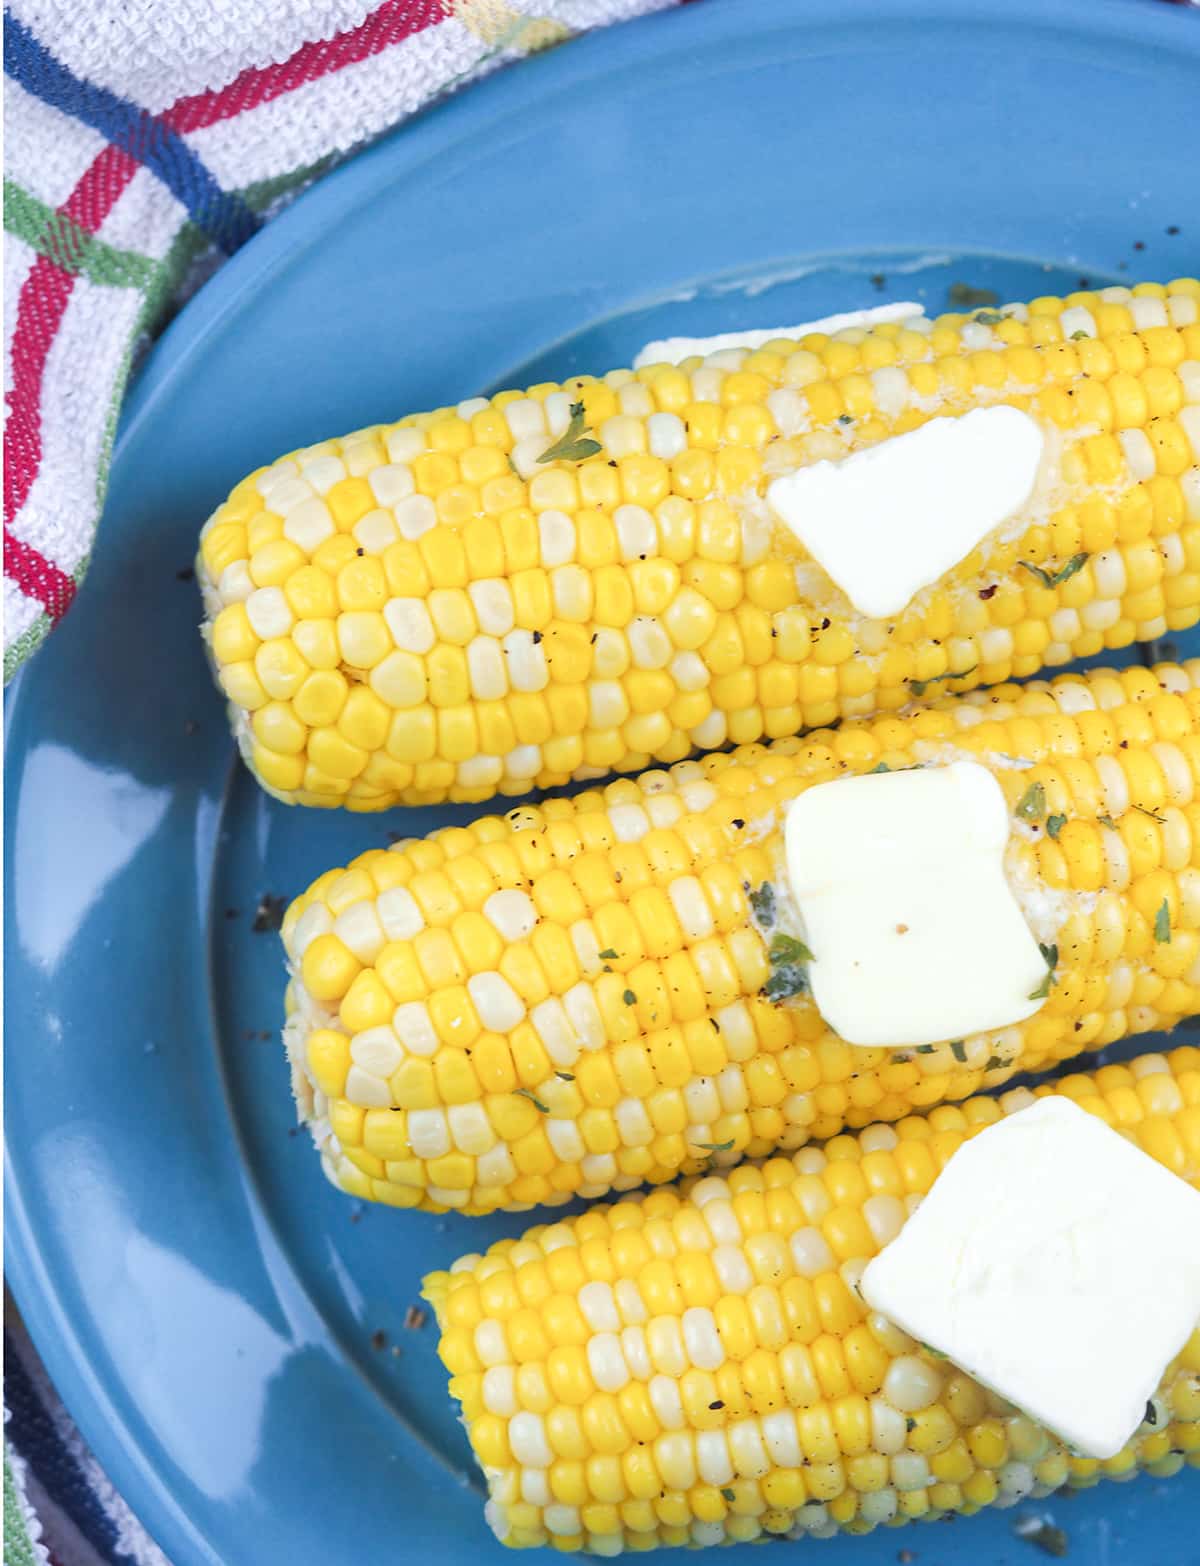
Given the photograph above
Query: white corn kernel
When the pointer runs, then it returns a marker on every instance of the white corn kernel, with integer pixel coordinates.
(810, 1253)
(1076, 319)
(557, 409)
(1139, 453)
(633, 1123)
(565, 1139)
(470, 1129)
(236, 583)
(690, 672)
(556, 536)
(499, 1391)
(428, 1133)
(668, 435)
(315, 920)
(712, 1458)
(622, 436)
(414, 1028)
(748, 1450)
(711, 732)
(527, 1438)
(524, 418)
(375, 532)
(665, 1400)
(606, 1362)
(399, 913)
(911, 1384)
(376, 1051)
(701, 1339)
(408, 620)
(358, 928)
(526, 455)
(632, 1307)
(553, 1027)
(633, 1347)
(495, 1167)
(366, 1091)
(1189, 420)
(499, 1006)
(691, 907)
(571, 592)
(486, 669)
(637, 532)
(269, 613)
(599, 1307)
(404, 444)
(599, 1169)
(580, 1005)
(629, 823)
(1147, 312)
(523, 761)
(706, 384)
(391, 483)
(885, 1218)
(512, 913)
(649, 643)
(889, 1431)
(415, 515)
(732, 1269)
(491, 598)
(633, 398)
(526, 661)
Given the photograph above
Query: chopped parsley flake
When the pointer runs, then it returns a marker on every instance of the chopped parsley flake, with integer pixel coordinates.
(565, 1076)
(629, 998)
(1151, 1416)
(786, 948)
(608, 954)
(1107, 821)
(926, 1049)
(1032, 804)
(762, 904)
(1040, 1531)
(1162, 924)
(728, 1495)
(1055, 824)
(533, 1099)
(919, 687)
(716, 1147)
(1153, 814)
(572, 445)
(1081, 333)
(1063, 574)
(881, 767)
(959, 1050)
(1050, 953)
(786, 954)
(971, 298)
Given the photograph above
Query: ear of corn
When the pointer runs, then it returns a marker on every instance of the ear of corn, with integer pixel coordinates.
(436, 610)
(576, 997)
(695, 1366)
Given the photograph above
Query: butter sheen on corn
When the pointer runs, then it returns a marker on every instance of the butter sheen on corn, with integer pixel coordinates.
(570, 999)
(425, 611)
(696, 1365)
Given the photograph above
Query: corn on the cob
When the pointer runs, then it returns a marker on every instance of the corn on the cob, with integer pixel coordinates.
(695, 1366)
(431, 610)
(570, 999)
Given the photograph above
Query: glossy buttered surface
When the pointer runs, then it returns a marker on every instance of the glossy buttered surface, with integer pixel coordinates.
(229, 1330)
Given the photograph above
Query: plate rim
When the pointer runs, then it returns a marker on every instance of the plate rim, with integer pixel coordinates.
(1145, 25)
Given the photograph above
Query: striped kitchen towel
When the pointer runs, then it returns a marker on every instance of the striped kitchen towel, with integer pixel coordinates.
(145, 143)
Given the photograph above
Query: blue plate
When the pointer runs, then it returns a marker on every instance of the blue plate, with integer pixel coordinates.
(227, 1329)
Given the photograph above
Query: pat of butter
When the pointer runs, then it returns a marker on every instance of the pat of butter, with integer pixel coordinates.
(893, 518)
(915, 933)
(1055, 1262)
(671, 350)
